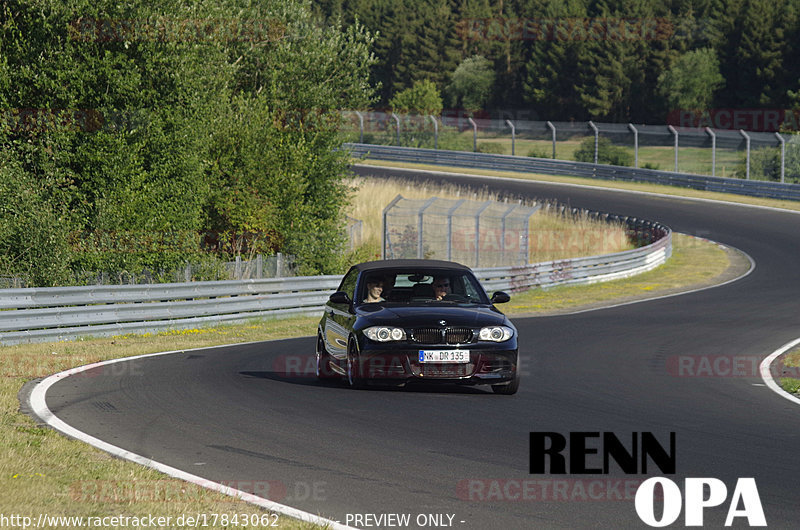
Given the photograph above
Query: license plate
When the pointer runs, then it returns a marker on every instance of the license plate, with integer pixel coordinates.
(444, 356)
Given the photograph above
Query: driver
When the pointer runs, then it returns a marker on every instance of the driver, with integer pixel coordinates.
(374, 290)
(441, 287)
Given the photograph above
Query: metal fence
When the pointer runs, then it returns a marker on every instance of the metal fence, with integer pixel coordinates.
(355, 232)
(477, 233)
(735, 153)
(753, 188)
(276, 266)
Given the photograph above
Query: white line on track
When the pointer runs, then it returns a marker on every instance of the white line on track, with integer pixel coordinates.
(39, 407)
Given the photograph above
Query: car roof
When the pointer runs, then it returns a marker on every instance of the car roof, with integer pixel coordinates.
(409, 263)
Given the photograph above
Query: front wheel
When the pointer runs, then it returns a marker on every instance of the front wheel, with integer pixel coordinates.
(322, 368)
(354, 377)
(512, 387)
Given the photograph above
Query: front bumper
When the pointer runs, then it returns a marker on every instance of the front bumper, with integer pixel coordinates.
(397, 363)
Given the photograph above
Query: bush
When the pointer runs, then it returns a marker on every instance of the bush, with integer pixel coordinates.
(765, 163)
(538, 152)
(491, 147)
(607, 152)
(451, 140)
(33, 232)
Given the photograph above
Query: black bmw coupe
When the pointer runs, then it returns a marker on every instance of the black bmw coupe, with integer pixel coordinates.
(400, 321)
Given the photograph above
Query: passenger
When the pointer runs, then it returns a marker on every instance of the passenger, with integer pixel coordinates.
(388, 284)
(374, 290)
(441, 287)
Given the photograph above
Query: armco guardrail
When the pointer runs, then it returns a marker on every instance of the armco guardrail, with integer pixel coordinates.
(753, 188)
(61, 313)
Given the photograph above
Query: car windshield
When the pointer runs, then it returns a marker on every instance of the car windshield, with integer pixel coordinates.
(405, 286)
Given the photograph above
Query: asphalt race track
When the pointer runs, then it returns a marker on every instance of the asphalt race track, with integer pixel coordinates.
(242, 415)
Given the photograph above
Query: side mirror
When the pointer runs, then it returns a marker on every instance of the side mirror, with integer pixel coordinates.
(339, 297)
(500, 297)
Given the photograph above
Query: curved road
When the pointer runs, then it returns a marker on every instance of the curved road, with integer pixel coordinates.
(241, 414)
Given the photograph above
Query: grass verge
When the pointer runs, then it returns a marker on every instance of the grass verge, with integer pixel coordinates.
(42, 472)
(791, 384)
(633, 186)
(694, 264)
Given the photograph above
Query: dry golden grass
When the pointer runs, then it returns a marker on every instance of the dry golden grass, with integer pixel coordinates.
(553, 236)
(792, 358)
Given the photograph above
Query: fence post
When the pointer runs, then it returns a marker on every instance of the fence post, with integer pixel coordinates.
(513, 135)
(526, 236)
(187, 272)
(675, 132)
(397, 120)
(783, 157)
(237, 268)
(260, 266)
(503, 231)
(747, 146)
(635, 145)
(474, 134)
(386, 241)
(421, 215)
(478, 232)
(435, 132)
(553, 129)
(713, 151)
(450, 228)
(279, 265)
(596, 139)
(360, 127)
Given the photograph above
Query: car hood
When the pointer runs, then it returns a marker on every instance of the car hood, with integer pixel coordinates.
(467, 315)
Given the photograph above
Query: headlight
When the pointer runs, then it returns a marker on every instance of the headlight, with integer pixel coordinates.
(384, 333)
(496, 333)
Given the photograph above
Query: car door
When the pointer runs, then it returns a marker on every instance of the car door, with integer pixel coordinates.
(339, 318)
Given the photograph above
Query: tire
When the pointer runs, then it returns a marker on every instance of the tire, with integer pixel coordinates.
(511, 388)
(322, 367)
(354, 377)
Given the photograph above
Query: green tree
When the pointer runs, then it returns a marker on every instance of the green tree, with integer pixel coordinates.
(200, 121)
(471, 84)
(692, 80)
(763, 52)
(552, 66)
(422, 98)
